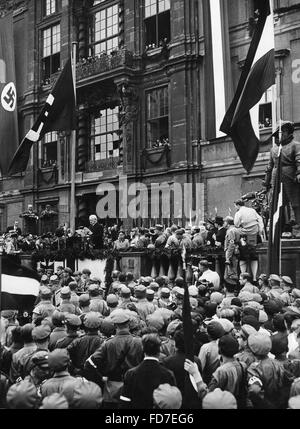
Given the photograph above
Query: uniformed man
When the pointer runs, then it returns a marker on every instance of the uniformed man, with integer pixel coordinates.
(86, 278)
(81, 348)
(276, 289)
(97, 302)
(144, 307)
(19, 356)
(287, 285)
(73, 324)
(84, 304)
(59, 331)
(125, 297)
(45, 307)
(232, 238)
(66, 306)
(59, 362)
(41, 337)
(116, 356)
(165, 298)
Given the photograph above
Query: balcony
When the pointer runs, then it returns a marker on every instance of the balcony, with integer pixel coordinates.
(92, 67)
(100, 165)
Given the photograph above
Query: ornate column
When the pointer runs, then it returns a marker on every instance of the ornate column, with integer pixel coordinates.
(81, 14)
(82, 211)
(128, 116)
(82, 140)
(121, 24)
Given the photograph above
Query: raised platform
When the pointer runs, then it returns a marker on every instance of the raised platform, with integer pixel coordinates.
(290, 259)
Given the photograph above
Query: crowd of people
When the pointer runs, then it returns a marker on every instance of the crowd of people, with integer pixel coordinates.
(122, 346)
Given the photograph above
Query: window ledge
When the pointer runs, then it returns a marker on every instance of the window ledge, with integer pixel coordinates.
(154, 51)
(153, 150)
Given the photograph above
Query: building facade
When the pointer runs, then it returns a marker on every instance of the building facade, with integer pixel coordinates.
(145, 102)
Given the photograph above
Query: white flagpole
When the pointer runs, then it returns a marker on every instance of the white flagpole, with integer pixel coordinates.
(73, 149)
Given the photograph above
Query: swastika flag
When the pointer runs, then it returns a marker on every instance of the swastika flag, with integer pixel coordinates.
(8, 95)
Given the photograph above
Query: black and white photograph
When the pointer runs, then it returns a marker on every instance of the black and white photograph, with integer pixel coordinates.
(149, 207)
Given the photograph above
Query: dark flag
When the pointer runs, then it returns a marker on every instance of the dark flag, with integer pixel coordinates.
(257, 76)
(58, 114)
(8, 107)
(274, 244)
(19, 286)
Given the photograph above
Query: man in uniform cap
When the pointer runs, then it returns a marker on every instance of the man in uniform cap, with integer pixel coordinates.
(97, 302)
(84, 304)
(116, 355)
(59, 331)
(276, 289)
(40, 369)
(266, 376)
(78, 279)
(143, 307)
(66, 306)
(41, 336)
(164, 300)
(81, 348)
(232, 238)
(45, 307)
(18, 357)
(59, 362)
(86, 278)
(112, 302)
(287, 285)
(73, 323)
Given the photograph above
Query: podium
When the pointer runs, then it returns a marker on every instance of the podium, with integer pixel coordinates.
(290, 259)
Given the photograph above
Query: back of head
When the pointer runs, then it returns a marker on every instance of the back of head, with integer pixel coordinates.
(228, 345)
(22, 395)
(219, 400)
(179, 341)
(167, 397)
(26, 332)
(151, 344)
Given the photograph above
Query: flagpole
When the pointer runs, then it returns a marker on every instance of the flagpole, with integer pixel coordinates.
(73, 149)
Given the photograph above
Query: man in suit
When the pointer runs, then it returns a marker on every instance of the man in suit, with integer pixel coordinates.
(97, 230)
(14, 229)
(141, 381)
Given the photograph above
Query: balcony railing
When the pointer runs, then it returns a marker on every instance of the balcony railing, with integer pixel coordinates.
(103, 164)
(103, 63)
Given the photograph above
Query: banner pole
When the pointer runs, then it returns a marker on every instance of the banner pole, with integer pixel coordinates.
(73, 149)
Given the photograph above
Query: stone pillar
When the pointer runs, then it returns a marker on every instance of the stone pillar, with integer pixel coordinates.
(121, 24)
(128, 117)
(81, 13)
(82, 211)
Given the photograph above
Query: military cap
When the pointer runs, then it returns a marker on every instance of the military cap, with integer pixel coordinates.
(45, 292)
(84, 298)
(86, 271)
(216, 298)
(167, 397)
(294, 403)
(173, 326)
(245, 296)
(154, 286)
(119, 317)
(263, 317)
(287, 280)
(165, 292)
(92, 320)
(54, 278)
(58, 360)
(179, 231)
(156, 321)
(93, 287)
(116, 286)
(112, 299)
(247, 330)
(204, 263)
(150, 292)
(140, 289)
(40, 333)
(44, 278)
(96, 280)
(58, 316)
(68, 270)
(255, 305)
(83, 394)
(65, 291)
(40, 359)
(275, 278)
(72, 320)
(179, 293)
(125, 291)
(219, 400)
(77, 273)
(159, 227)
(226, 324)
(56, 401)
(22, 395)
(260, 344)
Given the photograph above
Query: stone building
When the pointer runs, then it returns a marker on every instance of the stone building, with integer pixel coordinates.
(145, 103)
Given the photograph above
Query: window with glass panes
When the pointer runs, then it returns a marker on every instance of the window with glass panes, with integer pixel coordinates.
(105, 135)
(157, 22)
(157, 111)
(49, 155)
(49, 7)
(50, 51)
(104, 30)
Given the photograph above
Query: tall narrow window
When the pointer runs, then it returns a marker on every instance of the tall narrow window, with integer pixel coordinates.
(105, 135)
(157, 117)
(265, 110)
(49, 155)
(104, 31)
(50, 7)
(51, 51)
(157, 22)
